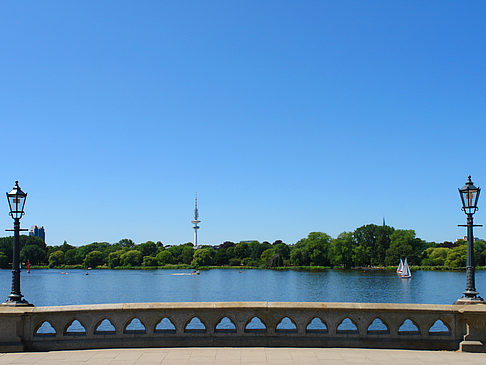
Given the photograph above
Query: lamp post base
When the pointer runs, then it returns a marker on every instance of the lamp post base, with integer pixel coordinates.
(15, 300)
(23, 303)
(466, 300)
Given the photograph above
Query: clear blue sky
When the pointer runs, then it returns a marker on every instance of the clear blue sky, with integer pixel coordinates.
(285, 116)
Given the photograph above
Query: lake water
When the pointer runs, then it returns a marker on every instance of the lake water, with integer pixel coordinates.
(50, 287)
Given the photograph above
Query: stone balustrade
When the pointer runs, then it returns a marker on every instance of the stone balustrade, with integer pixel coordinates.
(405, 326)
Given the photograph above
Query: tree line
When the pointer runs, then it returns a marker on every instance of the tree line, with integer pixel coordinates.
(367, 246)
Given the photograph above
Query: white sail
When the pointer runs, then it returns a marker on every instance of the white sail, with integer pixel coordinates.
(406, 270)
(400, 267)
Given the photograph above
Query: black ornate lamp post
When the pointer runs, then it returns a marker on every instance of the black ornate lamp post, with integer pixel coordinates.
(16, 200)
(469, 198)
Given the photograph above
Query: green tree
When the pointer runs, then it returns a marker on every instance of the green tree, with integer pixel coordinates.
(3, 261)
(131, 258)
(315, 249)
(365, 237)
(397, 251)
(434, 256)
(6, 244)
(66, 247)
(371, 243)
(248, 261)
(276, 260)
(298, 257)
(382, 243)
(114, 259)
(176, 252)
(165, 258)
(33, 253)
(149, 261)
(342, 250)
(283, 250)
(125, 243)
(56, 259)
(203, 257)
(361, 255)
(103, 247)
(187, 254)
(230, 252)
(242, 250)
(404, 244)
(234, 262)
(266, 256)
(94, 258)
(220, 257)
(480, 253)
(256, 249)
(71, 257)
(456, 257)
(148, 248)
(318, 246)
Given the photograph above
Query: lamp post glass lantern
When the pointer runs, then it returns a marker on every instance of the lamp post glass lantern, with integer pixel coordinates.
(16, 201)
(469, 197)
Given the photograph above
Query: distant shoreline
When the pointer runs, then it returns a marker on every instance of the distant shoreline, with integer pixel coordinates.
(282, 268)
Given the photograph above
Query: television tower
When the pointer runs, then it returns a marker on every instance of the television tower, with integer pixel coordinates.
(195, 222)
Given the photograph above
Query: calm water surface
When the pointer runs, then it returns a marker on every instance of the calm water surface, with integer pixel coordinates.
(50, 287)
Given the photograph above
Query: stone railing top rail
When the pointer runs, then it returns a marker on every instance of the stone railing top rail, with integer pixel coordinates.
(329, 306)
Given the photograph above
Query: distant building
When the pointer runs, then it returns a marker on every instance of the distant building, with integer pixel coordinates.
(465, 239)
(38, 231)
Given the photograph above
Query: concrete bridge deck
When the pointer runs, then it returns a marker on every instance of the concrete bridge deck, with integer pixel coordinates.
(237, 356)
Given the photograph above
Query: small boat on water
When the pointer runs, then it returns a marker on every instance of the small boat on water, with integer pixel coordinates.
(194, 272)
(400, 267)
(406, 274)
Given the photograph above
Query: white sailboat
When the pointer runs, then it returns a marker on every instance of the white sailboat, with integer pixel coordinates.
(406, 274)
(400, 267)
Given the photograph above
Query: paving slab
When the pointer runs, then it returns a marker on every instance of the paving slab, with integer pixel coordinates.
(241, 356)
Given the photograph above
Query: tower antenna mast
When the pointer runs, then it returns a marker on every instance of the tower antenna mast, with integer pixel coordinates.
(195, 222)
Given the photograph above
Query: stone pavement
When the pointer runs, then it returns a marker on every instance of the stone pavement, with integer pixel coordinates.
(237, 356)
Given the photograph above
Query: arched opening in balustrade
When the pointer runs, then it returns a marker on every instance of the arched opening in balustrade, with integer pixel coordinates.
(75, 328)
(408, 328)
(378, 327)
(255, 325)
(105, 327)
(286, 325)
(316, 325)
(45, 329)
(439, 328)
(225, 325)
(347, 327)
(195, 325)
(134, 327)
(165, 325)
